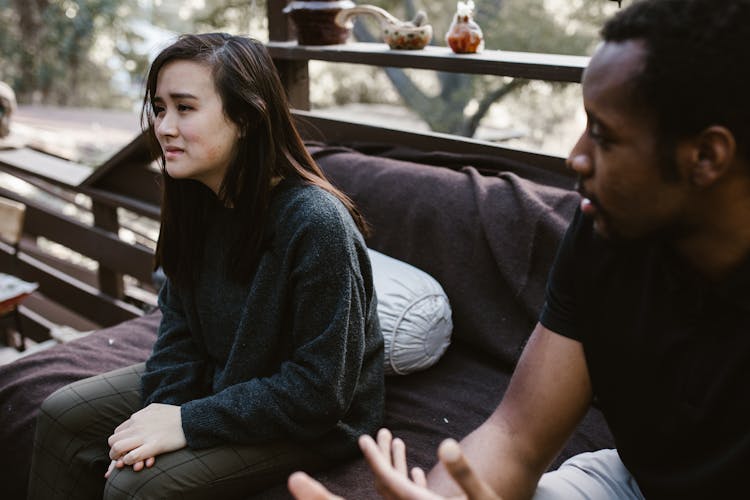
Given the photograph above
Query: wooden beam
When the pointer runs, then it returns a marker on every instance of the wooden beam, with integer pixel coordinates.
(97, 243)
(81, 298)
(110, 279)
(49, 168)
(318, 128)
(529, 65)
(280, 27)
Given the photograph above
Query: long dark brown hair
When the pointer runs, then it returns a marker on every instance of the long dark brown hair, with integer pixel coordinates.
(270, 147)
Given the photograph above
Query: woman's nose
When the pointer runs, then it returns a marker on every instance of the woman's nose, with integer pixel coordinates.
(166, 126)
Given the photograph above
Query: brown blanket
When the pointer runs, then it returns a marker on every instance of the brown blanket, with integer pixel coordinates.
(488, 239)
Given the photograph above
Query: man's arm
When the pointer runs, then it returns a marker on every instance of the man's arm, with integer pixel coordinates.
(549, 393)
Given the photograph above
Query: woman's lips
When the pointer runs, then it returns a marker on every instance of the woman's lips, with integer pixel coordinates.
(172, 153)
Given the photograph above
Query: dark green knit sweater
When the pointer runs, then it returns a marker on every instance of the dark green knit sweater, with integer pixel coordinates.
(295, 355)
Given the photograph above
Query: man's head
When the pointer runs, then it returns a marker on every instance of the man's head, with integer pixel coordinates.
(697, 66)
(662, 124)
(7, 108)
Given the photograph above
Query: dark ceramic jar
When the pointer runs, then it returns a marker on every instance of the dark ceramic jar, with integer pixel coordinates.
(315, 21)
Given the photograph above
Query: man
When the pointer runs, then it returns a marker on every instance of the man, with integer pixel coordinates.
(648, 302)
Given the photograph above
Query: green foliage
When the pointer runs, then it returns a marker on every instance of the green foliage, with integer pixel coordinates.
(47, 49)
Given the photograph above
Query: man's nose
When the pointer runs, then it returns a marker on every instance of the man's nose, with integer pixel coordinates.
(581, 164)
(579, 160)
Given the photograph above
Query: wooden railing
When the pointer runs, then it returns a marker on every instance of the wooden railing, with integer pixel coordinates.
(74, 295)
(292, 62)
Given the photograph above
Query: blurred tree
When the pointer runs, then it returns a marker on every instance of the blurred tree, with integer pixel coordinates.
(47, 45)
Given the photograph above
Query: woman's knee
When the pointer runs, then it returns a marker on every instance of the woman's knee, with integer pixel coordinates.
(146, 484)
(100, 400)
(57, 407)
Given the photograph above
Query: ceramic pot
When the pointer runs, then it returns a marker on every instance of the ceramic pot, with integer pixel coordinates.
(315, 21)
(414, 34)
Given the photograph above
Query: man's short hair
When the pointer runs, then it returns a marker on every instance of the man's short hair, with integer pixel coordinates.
(697, 69)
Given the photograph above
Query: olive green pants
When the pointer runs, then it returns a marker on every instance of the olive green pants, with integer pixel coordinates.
(71, 451)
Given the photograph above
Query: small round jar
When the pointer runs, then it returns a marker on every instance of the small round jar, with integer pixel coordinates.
(464, 35)
(315, 21)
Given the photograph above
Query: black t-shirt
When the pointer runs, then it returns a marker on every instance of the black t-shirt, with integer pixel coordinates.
(668, 354)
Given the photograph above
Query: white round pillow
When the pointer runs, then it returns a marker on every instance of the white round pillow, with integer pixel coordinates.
(414, 315)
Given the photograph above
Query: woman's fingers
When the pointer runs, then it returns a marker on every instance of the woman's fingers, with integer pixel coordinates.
(458, 467)
(119, 448)
(110, 468)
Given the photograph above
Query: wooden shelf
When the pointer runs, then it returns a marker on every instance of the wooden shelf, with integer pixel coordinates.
(534, 66)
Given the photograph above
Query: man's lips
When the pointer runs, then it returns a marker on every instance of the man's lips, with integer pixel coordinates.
(588, 207)
(588, 202)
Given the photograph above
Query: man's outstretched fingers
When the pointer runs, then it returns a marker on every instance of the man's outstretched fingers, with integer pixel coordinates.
(303, 487)
(458, 467)
(418, 476)
(384, 443)
(398, 448)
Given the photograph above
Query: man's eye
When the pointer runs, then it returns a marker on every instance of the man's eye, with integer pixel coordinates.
(597, 136)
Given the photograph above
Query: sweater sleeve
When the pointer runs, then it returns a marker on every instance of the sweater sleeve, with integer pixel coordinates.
(313, 389)
(176, 370)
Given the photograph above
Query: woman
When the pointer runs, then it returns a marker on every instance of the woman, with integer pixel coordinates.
(269, 354)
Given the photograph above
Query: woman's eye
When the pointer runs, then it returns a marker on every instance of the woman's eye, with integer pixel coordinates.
(183, 107)
(157, 110)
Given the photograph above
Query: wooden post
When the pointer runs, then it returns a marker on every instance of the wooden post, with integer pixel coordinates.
(294, 74)
(110, 281)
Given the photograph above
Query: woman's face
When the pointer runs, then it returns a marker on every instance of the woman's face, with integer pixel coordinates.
(197, 138)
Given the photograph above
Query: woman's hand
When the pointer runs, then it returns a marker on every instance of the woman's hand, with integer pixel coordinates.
(149, 432)
(119, 464)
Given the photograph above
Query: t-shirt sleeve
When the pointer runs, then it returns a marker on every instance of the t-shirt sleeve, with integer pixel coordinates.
(562, 306)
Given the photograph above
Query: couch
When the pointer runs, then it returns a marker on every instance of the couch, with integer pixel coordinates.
(486, 228)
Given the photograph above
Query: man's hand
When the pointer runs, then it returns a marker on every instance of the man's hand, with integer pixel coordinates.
(149, 432)
(387, 459)
(303, 487)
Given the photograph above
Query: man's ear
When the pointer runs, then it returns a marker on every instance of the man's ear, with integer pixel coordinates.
(708, 155)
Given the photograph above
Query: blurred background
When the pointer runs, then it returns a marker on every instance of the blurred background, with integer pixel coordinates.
(77, 68)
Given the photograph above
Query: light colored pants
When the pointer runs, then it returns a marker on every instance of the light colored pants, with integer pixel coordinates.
(598, 475)
(71, 451)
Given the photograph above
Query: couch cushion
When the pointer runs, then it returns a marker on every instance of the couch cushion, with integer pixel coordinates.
(414, 315)
(489, 240)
